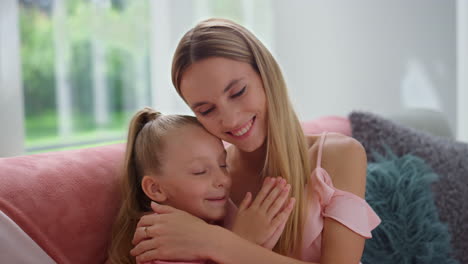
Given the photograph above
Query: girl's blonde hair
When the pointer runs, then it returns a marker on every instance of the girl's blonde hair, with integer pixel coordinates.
(143, 156)
(287, 150)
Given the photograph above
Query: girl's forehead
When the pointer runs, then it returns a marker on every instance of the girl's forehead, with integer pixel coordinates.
(192, 140)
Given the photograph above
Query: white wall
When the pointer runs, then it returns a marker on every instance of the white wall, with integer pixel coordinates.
(462, 69)
(339, 56)
(11, 95)
(170, 20)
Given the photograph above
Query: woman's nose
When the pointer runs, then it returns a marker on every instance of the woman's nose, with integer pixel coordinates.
(229, 118)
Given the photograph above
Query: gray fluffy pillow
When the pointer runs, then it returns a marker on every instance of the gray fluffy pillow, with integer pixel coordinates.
(447, 158)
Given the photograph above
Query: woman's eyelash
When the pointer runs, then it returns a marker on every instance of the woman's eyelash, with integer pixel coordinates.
(199, 173)
(232, 96)
(239, 93)
(223, 166)
(207, 111)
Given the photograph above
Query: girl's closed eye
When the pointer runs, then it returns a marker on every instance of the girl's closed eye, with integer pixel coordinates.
(199, 172)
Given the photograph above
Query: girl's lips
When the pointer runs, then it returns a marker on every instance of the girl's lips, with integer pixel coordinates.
(217, 199)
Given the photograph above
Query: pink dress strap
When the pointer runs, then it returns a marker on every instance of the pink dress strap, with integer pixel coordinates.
(326, 201)
(319, 155)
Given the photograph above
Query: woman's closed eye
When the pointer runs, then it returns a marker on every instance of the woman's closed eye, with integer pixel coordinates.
(209, 110)
(203, 113)
(239, 93)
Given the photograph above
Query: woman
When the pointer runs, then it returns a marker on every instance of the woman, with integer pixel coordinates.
(237, 92)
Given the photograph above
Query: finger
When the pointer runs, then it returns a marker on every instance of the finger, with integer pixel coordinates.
(141, 233)
(273, 195)
(150, 255)
(271, 242)
(264, 191)
(246, 202)
(280, 202)
(162, 209)
(148, 220)
(144, 246)
(282, 217)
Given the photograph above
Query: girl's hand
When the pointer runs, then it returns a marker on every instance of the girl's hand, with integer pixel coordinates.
(171, 234)
(262, 221)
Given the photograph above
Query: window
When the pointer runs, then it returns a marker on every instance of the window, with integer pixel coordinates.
(84, 68)
(87, 66)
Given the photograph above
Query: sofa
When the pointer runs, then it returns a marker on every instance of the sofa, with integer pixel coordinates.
(59, 207)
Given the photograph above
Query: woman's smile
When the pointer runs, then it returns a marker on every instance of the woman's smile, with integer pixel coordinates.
(243, 131)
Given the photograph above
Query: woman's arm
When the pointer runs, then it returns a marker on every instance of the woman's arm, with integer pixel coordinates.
(260, 221)
(188, 238)
(232, 249)
(345, 160)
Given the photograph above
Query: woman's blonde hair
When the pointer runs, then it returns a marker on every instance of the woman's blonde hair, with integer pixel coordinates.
(287, 150)
(143, 156)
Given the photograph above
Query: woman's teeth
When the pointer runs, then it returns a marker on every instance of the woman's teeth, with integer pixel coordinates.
(243, 130)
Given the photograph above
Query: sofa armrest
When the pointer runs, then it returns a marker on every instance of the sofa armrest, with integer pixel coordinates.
(65, 201)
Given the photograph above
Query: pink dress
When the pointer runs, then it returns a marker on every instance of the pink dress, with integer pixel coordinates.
(326, 201)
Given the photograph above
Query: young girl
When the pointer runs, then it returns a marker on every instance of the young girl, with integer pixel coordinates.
(236, 89)
(173, 160)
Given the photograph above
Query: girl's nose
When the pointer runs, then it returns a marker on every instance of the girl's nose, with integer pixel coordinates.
(223, 179)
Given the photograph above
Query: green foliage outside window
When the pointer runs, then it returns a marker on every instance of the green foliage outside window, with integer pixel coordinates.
(123, 32)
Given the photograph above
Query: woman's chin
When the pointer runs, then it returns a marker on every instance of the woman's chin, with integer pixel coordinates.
(250, 147)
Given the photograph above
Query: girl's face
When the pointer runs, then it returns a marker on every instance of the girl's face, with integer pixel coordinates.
(195, 177)
(228, 98)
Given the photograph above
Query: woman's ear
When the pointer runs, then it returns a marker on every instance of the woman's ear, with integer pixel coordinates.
(152, 188)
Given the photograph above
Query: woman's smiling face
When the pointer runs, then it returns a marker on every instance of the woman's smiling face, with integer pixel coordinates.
(228, 98)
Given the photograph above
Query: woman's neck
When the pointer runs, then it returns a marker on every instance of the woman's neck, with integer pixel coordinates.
(252, 162)
(246, 171)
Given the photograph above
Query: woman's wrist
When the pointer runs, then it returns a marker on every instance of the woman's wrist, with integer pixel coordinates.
(225, 247)
(218, 240)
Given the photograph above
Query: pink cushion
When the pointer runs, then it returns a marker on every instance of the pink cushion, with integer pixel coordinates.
(65, 201)
(336, 124)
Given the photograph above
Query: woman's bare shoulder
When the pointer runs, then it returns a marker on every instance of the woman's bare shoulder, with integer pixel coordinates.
(344, 158)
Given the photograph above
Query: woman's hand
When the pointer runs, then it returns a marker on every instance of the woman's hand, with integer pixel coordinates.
(171, 234)
(262, 221)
